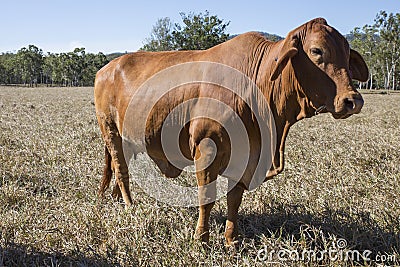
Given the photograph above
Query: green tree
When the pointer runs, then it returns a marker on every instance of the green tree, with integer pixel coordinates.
(366, 41)
(92, 64)
(160, 37)
(76, 66)
(3, 77)
(388, 26)
(28, 64)
(52, 69)
(71, 66)
(10, 73)
(199, 31)
(379, 44)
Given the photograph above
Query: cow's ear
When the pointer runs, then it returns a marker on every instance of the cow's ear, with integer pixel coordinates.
(287, 51)
(358, 67)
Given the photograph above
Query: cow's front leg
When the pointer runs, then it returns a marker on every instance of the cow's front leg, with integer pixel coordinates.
(231, 229)
(202, 228)
(206, 174)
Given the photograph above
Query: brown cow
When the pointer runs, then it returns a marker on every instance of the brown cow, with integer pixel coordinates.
(307, 73)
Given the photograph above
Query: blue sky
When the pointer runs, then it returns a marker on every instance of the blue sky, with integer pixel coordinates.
(111, 26)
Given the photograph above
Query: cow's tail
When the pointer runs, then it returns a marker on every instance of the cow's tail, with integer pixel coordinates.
(107, 174)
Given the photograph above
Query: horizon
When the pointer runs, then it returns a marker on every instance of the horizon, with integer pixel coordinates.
(60, 27)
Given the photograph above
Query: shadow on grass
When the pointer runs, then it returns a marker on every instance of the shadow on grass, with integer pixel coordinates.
(22, 255)
(362, 233)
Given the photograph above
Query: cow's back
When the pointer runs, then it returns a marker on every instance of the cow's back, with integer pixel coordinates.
(118, 81)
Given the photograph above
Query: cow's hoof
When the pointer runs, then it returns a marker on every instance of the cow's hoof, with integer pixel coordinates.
(116, 193)
(232, 244)
(231, 237)
(202, 234)
(232, 240)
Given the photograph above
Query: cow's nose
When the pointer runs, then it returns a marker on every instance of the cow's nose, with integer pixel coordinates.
(353, 103)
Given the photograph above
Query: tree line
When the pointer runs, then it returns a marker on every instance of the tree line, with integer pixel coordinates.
(30, 67)
(378, 43)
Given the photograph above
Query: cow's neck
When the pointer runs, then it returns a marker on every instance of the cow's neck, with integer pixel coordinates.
(286, 100)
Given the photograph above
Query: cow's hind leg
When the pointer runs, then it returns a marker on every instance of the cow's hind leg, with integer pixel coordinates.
(118, 164)
(120, 169)
(107, 173)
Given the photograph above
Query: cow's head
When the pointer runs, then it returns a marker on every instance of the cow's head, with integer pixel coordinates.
(324, 66)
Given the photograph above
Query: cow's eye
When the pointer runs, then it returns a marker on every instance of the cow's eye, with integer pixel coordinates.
(316, 51)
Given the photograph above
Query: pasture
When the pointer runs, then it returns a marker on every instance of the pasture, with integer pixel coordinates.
(341, 183)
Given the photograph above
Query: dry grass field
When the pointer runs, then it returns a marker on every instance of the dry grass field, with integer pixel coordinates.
(341, 183)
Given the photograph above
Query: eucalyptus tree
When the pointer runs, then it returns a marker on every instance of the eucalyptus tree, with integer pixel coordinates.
(366, 41)
(92, 63)
(28, 64)
(388, 26)
(379, 44)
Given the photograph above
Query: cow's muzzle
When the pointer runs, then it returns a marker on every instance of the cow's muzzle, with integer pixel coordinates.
(348, 104)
